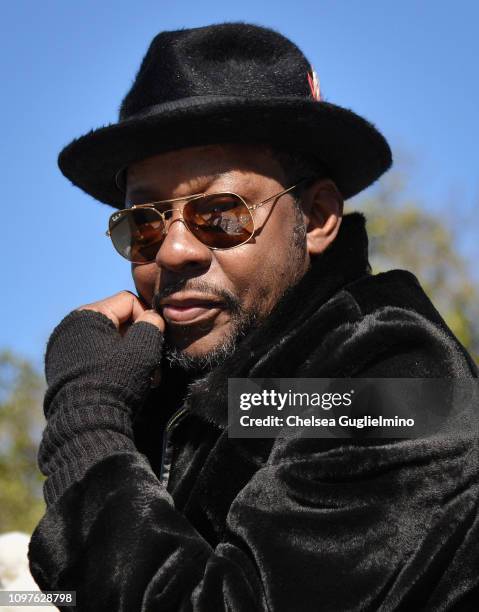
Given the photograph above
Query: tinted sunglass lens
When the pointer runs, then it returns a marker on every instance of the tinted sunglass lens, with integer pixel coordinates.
(220, 220)
(137, 234)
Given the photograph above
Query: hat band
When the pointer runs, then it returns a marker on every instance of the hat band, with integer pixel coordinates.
(192, 101)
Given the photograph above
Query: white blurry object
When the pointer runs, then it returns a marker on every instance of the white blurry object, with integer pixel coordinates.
(14, 571)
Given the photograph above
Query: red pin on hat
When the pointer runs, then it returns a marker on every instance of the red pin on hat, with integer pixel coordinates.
(314, 84)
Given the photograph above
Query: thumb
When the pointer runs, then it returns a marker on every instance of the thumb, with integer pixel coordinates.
(151, 316)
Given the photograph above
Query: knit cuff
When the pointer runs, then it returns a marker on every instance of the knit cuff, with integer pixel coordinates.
(99, 446)
(76, 439)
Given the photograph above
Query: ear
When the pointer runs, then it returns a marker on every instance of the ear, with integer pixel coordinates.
(323, 211)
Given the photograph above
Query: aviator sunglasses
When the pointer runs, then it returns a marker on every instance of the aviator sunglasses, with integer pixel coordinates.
(219, 220)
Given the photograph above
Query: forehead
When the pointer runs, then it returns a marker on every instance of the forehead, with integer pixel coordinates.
(177, 173)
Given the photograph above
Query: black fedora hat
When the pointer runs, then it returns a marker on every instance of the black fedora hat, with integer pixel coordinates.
(230, 82)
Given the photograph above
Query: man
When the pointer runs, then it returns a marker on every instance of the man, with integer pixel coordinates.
(229, 173)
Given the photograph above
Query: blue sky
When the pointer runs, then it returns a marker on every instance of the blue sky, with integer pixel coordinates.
(409, 66)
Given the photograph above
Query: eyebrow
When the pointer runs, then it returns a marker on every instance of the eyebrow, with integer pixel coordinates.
(144, 196)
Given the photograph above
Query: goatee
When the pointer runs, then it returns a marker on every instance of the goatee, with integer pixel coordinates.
(242, 321)
(242, 324)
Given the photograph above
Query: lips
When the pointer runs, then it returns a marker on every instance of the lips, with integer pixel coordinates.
(189, 310)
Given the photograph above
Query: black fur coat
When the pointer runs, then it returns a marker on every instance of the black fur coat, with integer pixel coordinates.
(300, 525)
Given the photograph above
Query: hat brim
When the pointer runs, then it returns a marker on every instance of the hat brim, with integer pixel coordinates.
(352, 149)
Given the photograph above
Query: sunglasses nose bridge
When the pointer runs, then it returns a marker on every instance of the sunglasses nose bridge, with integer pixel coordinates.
(168, 210)
(168, 222)
(180, 247)
(178, 217)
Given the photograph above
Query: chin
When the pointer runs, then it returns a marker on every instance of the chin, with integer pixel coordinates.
(197, 342)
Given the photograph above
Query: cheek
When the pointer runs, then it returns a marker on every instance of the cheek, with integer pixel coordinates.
(145, 278)
(260, 271)
(276, 241)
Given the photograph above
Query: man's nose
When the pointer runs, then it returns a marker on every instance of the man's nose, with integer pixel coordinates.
(181, 250)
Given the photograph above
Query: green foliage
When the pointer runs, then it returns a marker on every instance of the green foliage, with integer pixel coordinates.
(403, 234)
(21, 424)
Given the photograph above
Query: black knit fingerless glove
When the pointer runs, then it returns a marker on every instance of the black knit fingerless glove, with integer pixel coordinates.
(97, 380)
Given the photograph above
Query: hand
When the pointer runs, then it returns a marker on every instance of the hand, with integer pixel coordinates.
(125, 308)
(98, 379)
(104, 344)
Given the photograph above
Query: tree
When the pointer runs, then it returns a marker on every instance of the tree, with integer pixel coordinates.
(404, 234)
(21, 424)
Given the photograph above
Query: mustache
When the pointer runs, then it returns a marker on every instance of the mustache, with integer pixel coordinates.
(230, 300)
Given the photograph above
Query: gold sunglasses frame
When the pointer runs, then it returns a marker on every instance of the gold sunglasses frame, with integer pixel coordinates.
(152, 205)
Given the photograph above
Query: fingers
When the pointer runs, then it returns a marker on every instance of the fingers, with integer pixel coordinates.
(150, 316)
(123, 307)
